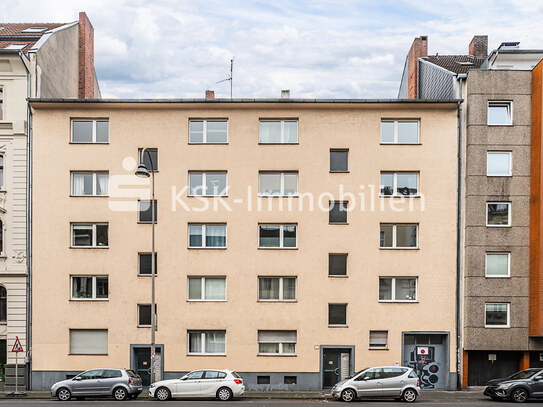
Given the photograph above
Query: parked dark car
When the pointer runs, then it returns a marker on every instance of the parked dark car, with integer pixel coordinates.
(118, 383)
(523, 385)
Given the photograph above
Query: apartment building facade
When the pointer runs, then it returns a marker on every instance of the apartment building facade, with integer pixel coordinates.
(499, 274)
(291, 298)
(50, 60)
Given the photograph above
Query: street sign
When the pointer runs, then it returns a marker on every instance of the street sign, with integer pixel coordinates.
(17, 347)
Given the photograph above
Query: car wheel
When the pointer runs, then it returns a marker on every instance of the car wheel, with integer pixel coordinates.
(162, 394)
(64, 394)
(120, 394)
(348, 395)
(224, 394)
(409, 395)
(519, 395)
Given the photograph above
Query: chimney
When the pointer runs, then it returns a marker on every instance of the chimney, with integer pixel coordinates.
(210, 94)
(478, 47)
(86, 57)
(418, 50)
(285, 94)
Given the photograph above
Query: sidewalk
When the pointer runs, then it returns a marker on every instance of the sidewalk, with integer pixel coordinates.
(472, 394)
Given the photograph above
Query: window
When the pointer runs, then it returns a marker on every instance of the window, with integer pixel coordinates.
(337, 314)
(90, 183)
(208, 131)
(16, 46)
(1, 104)
(337, 264)
(400, 131)
(277, 342)
(498, 163)
(145, 212)
(398, 236)
(277, 236)
(90, 235)
(399, 183)
(371, 374)
(144, 315)
(111, 374)
(278, 131)
(90, 287)
(337, 212)
(1, 167)
(92, 374)
(213, 374)
(276, 288)
(207, 288)
(154, 156)
(289, 380)
(339, 160)
(88, 341)
(497, 264)
(144, 266)
(207, 184)
(207, 236)
(34, 29)
(498, 214)
(207, 342)
(263, 380)
(397, 289)
(497, 315)
(278, 183)
(90, 131)
(3, 304)
(500, 113)
(378, 339)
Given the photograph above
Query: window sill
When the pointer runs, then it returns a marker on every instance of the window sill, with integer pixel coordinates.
(337, 326)
(277, 144)
(277, 301)
(144, 326)
(89, 196)
(498, 226)
(508, 276)
(89, 142)
(399, 196)
(89, 247)
(378, 348)
(398, 302)
(206, 300)
(277, 248)
(148, 275)
(338, 276)
(275, 355)
(207, 196)
(500, 176)
(401, 144)
(207, 144)
(206, 248)
(500, 125)
(339, 172)
(399, 248)
(147, 223)
(279, 196)
(88, 354)
(89, 299)
(338, 223)
(207, 354)
(497, 327)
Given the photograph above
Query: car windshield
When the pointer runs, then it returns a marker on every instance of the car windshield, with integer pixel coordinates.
(357, 373)
(235, 374)
(524, 374)
(131, 373)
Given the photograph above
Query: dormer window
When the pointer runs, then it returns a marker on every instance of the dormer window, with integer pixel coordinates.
(34, 29)
(16, 46)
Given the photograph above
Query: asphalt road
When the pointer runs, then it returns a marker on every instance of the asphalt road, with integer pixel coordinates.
(255, 403)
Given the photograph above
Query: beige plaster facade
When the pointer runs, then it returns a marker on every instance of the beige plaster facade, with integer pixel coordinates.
(321, 127)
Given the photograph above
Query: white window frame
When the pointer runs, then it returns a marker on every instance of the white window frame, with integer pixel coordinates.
(394, 237)
(93, 298)
(94, 246)
(281, 236)
(204, 182)
(204, 130)
(508, 215)
(280, 299)
(508, 315)
(508, 265)
(94, 121)
(280, 352)
(94, 182)
(282, 121)
(204, 230)
(393, 288)
(395, 183)
(203, 289)
(496, 103)
(203, 334)
(282, 182)
(396, 121)
(488, 153)
(377, 347)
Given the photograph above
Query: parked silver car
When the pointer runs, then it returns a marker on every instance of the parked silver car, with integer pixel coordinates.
(397, 382)
(119, 383)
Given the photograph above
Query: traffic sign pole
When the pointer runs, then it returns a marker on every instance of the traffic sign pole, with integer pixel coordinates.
(17, 347)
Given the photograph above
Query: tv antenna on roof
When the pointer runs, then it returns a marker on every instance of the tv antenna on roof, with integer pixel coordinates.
(231, 76)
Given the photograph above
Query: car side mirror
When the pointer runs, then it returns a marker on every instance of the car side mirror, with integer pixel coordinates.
(77, 378)
(366, 378)
(184, 378)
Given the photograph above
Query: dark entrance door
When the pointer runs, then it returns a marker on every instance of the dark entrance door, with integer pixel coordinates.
(331, 360)
(142, 363)
(486, 365)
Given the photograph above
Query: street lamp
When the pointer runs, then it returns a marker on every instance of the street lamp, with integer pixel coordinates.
(143, 172)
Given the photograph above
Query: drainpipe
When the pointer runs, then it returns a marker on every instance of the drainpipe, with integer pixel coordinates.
(28, 228)
(461, 78)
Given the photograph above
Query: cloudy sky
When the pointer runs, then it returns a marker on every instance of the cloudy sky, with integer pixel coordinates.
(315, 48)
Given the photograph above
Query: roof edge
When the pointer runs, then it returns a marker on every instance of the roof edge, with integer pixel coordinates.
(243, 100)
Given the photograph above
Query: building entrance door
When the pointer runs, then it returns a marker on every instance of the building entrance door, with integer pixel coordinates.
(142, 364)
(335, 366)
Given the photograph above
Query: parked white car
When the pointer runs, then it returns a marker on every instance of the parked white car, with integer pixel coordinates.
(222, 384)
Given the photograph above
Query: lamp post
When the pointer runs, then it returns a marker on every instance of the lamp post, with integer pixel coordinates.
(143, 172)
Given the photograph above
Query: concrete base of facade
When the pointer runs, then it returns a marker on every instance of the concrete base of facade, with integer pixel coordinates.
(9, 383)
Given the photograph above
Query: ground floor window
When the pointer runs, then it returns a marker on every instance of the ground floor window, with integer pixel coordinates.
(497, 315)
(88, 341)
(206, 342)
(276, 342)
